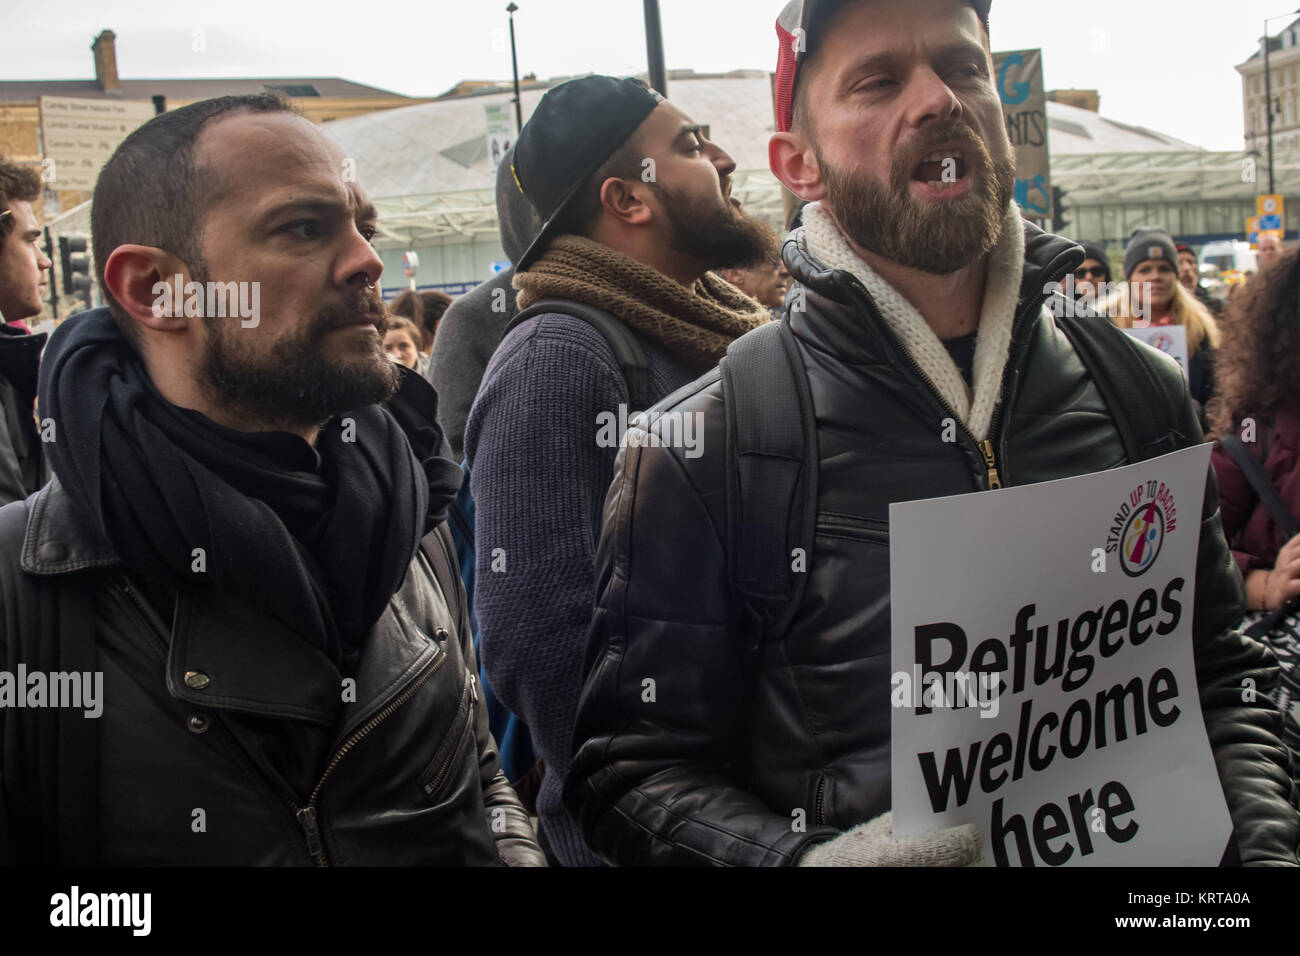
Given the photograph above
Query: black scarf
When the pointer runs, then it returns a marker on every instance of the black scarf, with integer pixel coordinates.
(321, 537)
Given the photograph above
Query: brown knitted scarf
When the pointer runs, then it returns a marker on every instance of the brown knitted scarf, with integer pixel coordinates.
(696, 323)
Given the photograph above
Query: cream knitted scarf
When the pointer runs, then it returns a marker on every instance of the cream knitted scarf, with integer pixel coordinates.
(824, 242)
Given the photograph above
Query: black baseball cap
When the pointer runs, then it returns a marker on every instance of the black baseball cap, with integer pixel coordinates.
(576, 127)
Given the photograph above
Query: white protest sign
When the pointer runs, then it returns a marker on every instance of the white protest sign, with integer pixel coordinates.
(1170, 339)
(1083, 741)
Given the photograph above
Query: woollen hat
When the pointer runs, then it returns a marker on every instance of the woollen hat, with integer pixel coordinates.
(1149, 244)
(1095, 250)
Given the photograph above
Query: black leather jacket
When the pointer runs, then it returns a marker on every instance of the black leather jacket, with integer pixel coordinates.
(749, 752)
(22, 463)
(288, 766)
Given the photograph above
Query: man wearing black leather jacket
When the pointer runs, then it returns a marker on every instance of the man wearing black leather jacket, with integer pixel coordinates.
(918, 301)
(240, 573)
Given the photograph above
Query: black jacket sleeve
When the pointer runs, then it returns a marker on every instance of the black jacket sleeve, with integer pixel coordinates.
(661, 733)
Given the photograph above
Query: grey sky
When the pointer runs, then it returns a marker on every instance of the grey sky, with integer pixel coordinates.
(1164, 65)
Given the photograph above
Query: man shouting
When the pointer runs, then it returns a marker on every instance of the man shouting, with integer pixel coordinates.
(931, 369)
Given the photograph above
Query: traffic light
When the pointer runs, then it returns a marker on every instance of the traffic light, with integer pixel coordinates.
(1059, 222)
(74, 267)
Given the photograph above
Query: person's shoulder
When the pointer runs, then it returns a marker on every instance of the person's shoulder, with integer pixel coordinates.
(567, 340)
(13, 527)
(13, 532)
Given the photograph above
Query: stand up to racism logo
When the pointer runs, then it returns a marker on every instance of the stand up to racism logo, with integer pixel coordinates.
(1138, 530)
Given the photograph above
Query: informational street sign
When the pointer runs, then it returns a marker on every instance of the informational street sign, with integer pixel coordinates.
(1019, 76)
(1044, 684)
(500, 132)
(1272, 215)
(79, 135)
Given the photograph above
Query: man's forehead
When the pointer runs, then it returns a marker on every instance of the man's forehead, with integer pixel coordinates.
(23, 214)
(870, 28)
(667, 119)
(252, 153)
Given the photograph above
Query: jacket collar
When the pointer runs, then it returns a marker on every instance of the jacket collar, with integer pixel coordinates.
(836, 296)
(20, 357)
(58, 540)
(255, 665)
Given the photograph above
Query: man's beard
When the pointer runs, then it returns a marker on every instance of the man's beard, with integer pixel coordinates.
(937, 237)
(719, 236)
(295, 383)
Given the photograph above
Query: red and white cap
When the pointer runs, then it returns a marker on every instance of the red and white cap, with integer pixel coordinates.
(792, 33)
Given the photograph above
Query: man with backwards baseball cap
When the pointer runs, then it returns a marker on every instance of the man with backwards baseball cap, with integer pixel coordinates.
(918, 305)
(636, 211)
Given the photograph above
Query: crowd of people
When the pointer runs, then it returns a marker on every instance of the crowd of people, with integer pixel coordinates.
(377, 583)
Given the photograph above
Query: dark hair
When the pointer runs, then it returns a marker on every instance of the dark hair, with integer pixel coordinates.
(1258, 363)
(400, 323)
(425, 310)
(152, 192)
(17, 184)
(821, 20)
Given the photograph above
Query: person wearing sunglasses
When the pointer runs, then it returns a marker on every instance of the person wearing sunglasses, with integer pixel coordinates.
(1092, 272)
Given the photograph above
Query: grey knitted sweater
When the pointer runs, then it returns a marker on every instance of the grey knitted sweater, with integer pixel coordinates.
(539, 478)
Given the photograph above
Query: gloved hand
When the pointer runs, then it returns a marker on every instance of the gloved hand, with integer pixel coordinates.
(874, 844)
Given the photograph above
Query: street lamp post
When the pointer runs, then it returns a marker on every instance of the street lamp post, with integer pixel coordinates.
(1268, 108)
(1268, 97)
(514, 63)
(654, 44)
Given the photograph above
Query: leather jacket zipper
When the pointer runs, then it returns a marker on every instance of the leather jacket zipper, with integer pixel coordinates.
(468, 695)
(152, 624)
(991, 459)
(837, 524)
(306, 815)
(819, 815)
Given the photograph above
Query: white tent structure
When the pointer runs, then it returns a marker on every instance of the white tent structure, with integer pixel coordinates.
(427, 169)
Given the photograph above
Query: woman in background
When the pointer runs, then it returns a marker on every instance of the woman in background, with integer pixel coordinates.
(1152, 295)
(425, 310)
(401, 341)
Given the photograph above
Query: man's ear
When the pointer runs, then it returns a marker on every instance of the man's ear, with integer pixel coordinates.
(794, 162)
(621, 200)
(143, 281)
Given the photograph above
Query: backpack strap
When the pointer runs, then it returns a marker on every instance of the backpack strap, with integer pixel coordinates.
(1259, 480)
(1122, 373)
(772, 466)
(627, 350)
